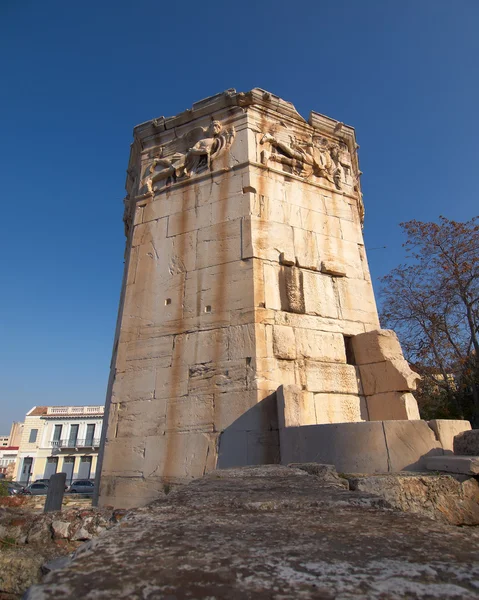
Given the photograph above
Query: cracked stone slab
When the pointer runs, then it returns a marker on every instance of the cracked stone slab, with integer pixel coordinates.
(270, 532)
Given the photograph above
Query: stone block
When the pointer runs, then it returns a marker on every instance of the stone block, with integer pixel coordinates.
(201, 347)
(467, 443)
(446, 429)
(306, 249)
(340, 408)
(376, 346)
(342, 253)
(332, 267)
(124, 456)
(392, 406)
(331, 377)
(218, 244)
(388, 376)
(319, 298)
(218, 289)
(224, 376)
(272, 294)
(129, 492)
(248, 410)
(320, 345)
(295, 406)
(134, 384)
(284, 343)
(271, 373)
(409, 444)
(350, 447)
(189, 220)
(356, 300)
(172, 382)
(190, 413)
(463, 465)
(258, 236)
(180, 456)
(241, 341)
(138, 418)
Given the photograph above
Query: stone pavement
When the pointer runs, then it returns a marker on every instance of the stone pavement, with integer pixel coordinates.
(270, 532)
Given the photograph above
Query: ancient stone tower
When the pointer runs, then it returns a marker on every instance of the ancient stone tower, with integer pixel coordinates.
(245, 271)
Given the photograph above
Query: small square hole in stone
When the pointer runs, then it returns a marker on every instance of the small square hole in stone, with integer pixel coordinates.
(168, 302)
(207, 309)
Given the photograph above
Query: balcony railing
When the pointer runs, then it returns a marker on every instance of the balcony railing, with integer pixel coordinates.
(86, 443)
(75, 410)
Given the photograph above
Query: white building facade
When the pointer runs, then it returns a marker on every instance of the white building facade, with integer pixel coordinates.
(59, 439)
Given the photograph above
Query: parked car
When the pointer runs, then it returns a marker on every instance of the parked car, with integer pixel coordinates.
(35, 489)
(82, 486)
(47, 481)
(14, 488)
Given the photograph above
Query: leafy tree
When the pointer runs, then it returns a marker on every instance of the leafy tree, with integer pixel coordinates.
(433, 304)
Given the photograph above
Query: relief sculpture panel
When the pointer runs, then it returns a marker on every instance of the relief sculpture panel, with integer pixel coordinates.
(317, 157)
(192, 153)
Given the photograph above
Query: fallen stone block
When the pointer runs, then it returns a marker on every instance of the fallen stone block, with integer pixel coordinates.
(467, 443)
(446, 429)
(466, 465)
(439, 497)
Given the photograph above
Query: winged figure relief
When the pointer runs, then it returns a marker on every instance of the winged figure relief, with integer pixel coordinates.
(189, 154)
(316, 157)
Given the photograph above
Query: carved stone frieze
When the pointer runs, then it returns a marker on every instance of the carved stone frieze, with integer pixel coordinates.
(183, 157)
(316, 157)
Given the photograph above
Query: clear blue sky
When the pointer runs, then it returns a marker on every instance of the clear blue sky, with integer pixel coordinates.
(77, 76)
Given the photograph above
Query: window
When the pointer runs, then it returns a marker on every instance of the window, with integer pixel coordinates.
(33, 436)
(85, 467)
(57, 433)
(72, 440)
(90, 433)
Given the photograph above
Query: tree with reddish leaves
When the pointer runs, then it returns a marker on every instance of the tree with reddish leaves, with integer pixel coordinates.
(432, 302)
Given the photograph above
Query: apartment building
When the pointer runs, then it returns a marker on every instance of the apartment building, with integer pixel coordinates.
(59, 439)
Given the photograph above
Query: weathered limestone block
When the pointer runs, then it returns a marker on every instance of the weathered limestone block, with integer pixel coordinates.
(333, 267)
(291, 289)
(356, 300)
(320, 345)
(134, 384)
(284, 342)
(271, 373)
(331, 377)
(138, 418)
(391, 406)
(251, 410)
(319, 298)
(388, 376)
(376, 346)
(306, 249)
(295, 406)
(219, 243)
(446, 429)
(439, 497)
(467, 443)
(216, 377)
(340, 252)
(340, 408)
(462, 465)
(257, 237)
(201, 346)
(190, 413)
(409, 444)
